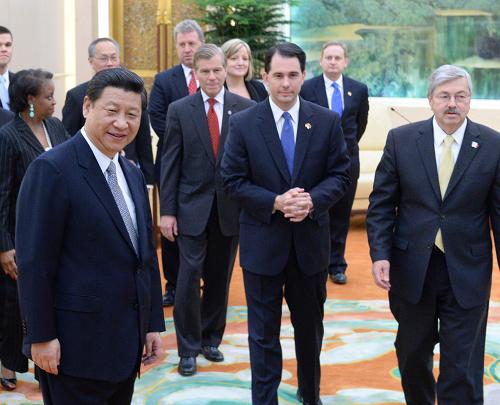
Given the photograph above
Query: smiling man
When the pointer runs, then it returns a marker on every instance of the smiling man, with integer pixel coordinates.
(89, 284)
(286, 163)
(435, 200)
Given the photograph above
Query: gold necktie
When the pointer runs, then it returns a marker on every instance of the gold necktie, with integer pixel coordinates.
(445, 170)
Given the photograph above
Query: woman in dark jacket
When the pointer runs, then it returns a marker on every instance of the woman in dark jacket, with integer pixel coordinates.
(240, 71)
(31, 132)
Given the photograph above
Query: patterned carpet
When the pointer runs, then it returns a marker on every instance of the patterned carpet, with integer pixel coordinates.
(358, 360)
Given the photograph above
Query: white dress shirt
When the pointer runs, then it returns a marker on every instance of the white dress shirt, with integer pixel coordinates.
(279, 120)
(329, 90)
(218, 106)
(439, 136)
(187, 75)
(104, 162)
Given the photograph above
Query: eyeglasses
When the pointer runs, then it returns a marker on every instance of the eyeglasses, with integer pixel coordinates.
(459, 98)
(106, 59)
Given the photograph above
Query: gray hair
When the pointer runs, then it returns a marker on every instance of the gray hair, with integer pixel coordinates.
(94, 43)
(186, 26)
(233, 46)
(334, 43)
(446, 73)
(208, 51)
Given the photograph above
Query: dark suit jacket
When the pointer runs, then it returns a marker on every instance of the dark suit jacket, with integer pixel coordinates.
(80, 280)
(5, 116)
(406, 210)
(355, 114)
(256, 90)
(168, 86)
(18, 148)
(139, 150)
(11, 77)
(254, 171)
(190, 173)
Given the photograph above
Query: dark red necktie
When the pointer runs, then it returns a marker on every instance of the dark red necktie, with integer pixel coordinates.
(213, 126)
(192, 84)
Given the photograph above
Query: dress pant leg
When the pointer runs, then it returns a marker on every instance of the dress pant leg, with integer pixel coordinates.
(221, 254)
(305, 296)
(187, 316)
(170, 262)
(264, 295)
(340, 216)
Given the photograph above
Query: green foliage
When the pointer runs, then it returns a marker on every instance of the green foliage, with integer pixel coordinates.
(257, 22)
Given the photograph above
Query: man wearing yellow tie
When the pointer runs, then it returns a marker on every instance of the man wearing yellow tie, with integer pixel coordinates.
(435, 200)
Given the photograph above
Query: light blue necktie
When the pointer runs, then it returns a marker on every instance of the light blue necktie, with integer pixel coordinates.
(122, 205)
(337, 99)
(4, 94)
(288, 141)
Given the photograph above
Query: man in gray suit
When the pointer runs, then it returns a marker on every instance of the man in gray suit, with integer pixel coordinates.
(435, 200)
(196, 212)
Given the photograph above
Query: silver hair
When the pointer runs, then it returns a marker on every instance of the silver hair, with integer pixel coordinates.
(94, 43)
(208, 51)
(446, 73)
(186, 26)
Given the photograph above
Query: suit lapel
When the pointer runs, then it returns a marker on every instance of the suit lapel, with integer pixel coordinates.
(304, 132)
(425, 146)
(267, 127)
(320, 91)
(230, 107)
(180, 82)
(28, 136)
(97, 182)
(465, 156)
(348, 91)
(200, 118)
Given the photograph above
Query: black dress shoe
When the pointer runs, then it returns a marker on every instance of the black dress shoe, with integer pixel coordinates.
(211, 353)
(169, 297)
(339, 278)
(187, 366)
(301, 400)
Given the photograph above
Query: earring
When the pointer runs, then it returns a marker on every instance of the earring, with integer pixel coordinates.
(31, 112)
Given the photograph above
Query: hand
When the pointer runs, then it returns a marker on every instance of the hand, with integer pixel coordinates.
(47, 355)
(8, 263)
(298, 207)
(168, 227)
(279, 201)
(380, 272)
(152, 349)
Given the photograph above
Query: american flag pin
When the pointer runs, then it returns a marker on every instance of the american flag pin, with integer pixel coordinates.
(229, 112)
(349, 93)
(308, 126)
(475, 145)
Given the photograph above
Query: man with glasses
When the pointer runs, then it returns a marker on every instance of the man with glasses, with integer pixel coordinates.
(104, 53)
(435, 201)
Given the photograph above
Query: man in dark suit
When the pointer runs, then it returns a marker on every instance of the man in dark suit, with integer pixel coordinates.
(169, 86)
(436, 192)
(104, 53)
(286, 162)
(195, 210)
(6, 76)
(89, 284)
(349, 99)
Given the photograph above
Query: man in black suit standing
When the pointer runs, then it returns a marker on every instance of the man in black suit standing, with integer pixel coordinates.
(169, 86)
(104, 53)
(89, 284)
(5, 75)
(286, 163)
(196, 212)
(435, 200)
(349, 99)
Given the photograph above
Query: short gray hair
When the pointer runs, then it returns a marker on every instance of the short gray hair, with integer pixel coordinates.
(446, 73)
(94, 43)
(208, 51)
(186, 26)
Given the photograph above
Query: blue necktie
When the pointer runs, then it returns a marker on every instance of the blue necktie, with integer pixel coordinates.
(336, 99)
(122, 205)
(288, 141)
(4, 94)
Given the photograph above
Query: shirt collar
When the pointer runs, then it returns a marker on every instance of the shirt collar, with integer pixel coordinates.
(278, 112)
(101, 158)
(187, 71)
(219, 97)
(339, 81)
(439, 134)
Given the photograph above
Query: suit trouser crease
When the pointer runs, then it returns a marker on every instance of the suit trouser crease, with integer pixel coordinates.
(461, 333)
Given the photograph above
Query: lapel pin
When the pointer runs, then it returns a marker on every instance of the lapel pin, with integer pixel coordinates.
(229, 112)
(308, 125)
(349, 93)
(475, 145)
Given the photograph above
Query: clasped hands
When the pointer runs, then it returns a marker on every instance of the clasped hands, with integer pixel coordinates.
(295, 204)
